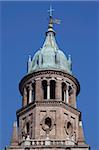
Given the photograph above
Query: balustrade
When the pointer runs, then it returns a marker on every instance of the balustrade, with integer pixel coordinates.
(48, 142)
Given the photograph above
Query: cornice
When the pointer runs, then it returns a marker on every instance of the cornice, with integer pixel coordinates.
(45, 104)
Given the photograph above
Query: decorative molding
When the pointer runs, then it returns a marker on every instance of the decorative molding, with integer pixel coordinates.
(47, 103)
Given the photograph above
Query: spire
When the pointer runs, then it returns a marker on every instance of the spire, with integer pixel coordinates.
(50, 40)
(81, 139)
(51, 21)
(14, 139)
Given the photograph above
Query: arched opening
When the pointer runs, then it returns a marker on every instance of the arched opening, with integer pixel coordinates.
(27, 95)
(33, 92)
(52, 89)
(44, 85)
(70, 90)
(63, 91)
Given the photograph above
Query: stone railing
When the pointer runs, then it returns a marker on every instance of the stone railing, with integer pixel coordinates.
(46, 142)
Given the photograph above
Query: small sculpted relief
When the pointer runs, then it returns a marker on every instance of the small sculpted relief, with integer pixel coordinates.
(26, 127)
(47, 124)
(69, 130)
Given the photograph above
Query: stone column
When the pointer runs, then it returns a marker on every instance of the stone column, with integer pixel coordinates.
(64, 96)
(58, 90)
(67, 95)
(24, 97)
(30, 93)
(74, 97)
(48, 89)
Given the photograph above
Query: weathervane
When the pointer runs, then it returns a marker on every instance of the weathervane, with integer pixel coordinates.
(52, 21)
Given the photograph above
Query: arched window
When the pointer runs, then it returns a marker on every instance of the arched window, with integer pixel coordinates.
(27, 95)
(63, 91)
(52, 89)
(70, 90)
(44, 85)
(33, 92)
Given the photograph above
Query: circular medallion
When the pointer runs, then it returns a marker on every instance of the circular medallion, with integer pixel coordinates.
(69, 128)
(47, 123)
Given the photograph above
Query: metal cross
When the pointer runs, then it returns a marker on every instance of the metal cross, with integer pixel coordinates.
(50, 11)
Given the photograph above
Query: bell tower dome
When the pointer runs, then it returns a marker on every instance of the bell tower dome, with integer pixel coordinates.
(50, 57)
(49, 118)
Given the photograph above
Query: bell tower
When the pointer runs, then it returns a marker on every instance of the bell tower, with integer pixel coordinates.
(49, 118)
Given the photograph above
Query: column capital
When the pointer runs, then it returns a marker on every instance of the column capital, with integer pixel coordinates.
(48, 82)
(24, 91)
(30, 87)
(67, 86)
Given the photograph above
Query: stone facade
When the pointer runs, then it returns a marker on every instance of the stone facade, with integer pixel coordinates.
(52, 123)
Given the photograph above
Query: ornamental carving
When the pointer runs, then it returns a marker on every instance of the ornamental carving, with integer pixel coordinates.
(69, 128)
(26, 127)
(47, 123)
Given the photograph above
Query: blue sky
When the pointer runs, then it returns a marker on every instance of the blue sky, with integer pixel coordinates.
(23, 27)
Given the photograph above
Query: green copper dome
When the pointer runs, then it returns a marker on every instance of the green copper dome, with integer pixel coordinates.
(49, 56)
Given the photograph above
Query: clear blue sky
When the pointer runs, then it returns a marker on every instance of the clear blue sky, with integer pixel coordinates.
(23, 26)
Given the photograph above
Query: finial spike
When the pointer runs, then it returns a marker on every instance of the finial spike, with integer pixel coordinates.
(29, 63)
(14, 139)
(81, 134)
(51, 21)
(69, 58)
(50, 11)
(15, 124)
(29, 60)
